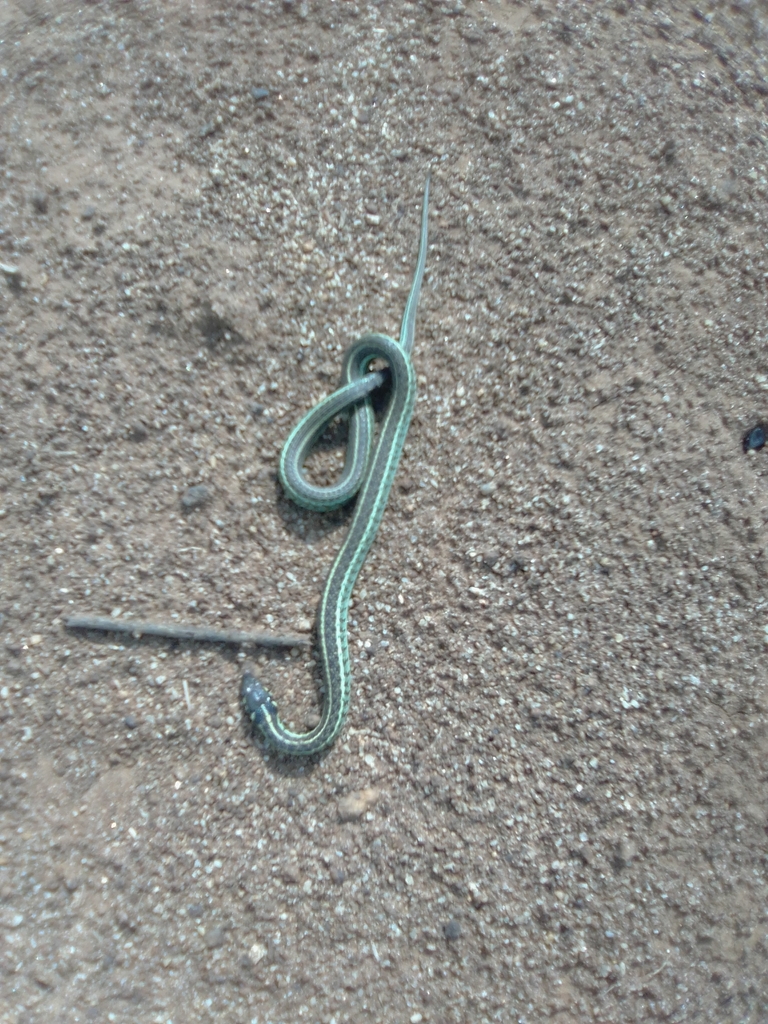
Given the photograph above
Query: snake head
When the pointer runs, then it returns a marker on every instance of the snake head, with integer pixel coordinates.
(256, 701)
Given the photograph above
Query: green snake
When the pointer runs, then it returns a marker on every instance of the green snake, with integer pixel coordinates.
(369, 470)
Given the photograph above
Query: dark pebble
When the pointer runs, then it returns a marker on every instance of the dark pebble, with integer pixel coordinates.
(195, 496)
(40, 202)
(131, 722)
(259, 93)
(490, 558)
(88, 213)
(256, 410)
(195, 910)
(215, 722)
(754, 438)
(338, 875)
(138, 432)
(452, 930)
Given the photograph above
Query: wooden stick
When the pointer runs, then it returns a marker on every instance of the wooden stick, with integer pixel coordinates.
(211, 636)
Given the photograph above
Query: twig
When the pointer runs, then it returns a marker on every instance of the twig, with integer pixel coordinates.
(210, 636)
(640, 985)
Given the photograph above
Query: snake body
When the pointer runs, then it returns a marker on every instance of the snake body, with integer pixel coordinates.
(369, 470)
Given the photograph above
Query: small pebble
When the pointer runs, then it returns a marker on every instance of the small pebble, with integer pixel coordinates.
(452, 930)
(256, 410)
(131, 722)
(257, 952)
(311, 720)
(214, 937)
(195, 496)
(138, 432)
(754, 438)
(195, 910)
(354, 806)
(40, 202)
(586, 853)
(624, 854)
(490, 558)
(259, 93)
(290, 874)
(88, 213)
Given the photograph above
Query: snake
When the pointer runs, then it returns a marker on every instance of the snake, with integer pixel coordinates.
(370, 465)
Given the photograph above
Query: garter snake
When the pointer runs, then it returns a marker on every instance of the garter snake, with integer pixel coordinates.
(368, 472)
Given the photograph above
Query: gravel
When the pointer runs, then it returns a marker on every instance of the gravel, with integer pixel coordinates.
(558, 645)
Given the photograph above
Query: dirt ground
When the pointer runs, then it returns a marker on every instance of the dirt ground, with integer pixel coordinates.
(550, 799)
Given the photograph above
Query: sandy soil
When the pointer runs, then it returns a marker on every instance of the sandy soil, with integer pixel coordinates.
(549, 800)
